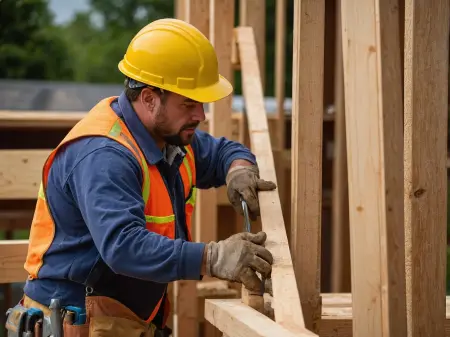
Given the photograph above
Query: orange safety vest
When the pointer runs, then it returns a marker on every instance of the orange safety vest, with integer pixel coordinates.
(159, 214)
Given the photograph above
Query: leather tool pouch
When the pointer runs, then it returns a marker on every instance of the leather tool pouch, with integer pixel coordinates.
(107, 317)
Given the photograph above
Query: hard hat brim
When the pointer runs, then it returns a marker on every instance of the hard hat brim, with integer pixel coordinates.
(212, 93)
(205, 94)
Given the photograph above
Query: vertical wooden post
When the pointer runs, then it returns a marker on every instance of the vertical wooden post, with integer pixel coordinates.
(186, 321)
(280, 83)
(373, 113)
(426, 117)
(221, 36)
(307, 123)
(206, 208)
(180, 9)
(221, 33)
(252, 13)
(280, 69)
(340, 257)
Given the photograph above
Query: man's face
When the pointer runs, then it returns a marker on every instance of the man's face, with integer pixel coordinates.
(175, 118)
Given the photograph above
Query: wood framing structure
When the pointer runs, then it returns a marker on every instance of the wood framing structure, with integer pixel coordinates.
(389, 181)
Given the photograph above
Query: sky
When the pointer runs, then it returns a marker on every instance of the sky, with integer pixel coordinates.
(65, 9)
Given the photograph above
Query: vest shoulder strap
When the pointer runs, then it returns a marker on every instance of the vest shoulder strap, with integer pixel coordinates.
(101, 120)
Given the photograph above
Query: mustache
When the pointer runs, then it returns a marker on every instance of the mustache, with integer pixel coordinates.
(190, 126)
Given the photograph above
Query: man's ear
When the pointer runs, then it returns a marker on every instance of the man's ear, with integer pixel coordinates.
(148, 99)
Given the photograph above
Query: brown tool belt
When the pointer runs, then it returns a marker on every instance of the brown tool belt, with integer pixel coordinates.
(104, 317)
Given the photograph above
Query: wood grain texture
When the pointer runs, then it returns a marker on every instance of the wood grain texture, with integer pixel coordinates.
(340, 245)
(373, 114)
(44, 119)
(426, 119)
(12, 259)
(20, 173)
(306, 170)
(287, 307)
(235, 319)
(197, 12)
(252, 13)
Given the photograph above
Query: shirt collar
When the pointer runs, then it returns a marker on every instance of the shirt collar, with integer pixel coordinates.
(143, 138)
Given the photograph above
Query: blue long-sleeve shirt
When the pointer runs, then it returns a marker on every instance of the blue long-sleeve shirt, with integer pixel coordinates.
(94, 194)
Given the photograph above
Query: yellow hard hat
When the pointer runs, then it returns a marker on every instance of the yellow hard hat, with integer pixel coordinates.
(174, 55)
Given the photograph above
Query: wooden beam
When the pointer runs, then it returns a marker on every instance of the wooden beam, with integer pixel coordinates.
(20, 173)
(280, 70)
(340, 242)
(306, 170)
(221, 20)
(180, 9)
(288, 311)
(35, 119)
(64, 119)
(337, 315)
(186, 323)
(375, 146)
(235, 319)
(279, 134)
(13, 254)
(426, 120)
(252, 13)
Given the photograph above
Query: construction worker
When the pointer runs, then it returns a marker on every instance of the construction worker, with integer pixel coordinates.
(112, 225)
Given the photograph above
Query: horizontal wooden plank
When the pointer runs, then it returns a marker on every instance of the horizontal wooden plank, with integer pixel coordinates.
(20, 173)
(15, 219)
(337, 315)
(236, 319)
(12, 258)
(59, 119)
(34, 119)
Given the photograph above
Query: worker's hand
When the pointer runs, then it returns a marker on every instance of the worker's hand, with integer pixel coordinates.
(238, 258)
(244, 181)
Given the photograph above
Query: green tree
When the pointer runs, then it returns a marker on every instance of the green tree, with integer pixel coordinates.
(30, 46)
(98, 39)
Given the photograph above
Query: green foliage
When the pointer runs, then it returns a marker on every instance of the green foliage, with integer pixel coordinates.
(30, 46)
(98, 39)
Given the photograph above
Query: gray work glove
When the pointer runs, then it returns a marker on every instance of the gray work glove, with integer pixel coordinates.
(238, 258)
(244, 181)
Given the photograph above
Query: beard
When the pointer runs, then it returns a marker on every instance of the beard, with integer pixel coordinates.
(161, 130)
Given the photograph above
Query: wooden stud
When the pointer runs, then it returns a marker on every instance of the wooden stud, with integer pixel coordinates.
(373, 114)
(340, 256)
(306, 169)
(180, 9)
(426, 117)
(252, 13)
(288, 311)
(280, 69)
(197, 13)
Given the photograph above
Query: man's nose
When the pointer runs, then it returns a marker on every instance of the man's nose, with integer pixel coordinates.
(199, 113)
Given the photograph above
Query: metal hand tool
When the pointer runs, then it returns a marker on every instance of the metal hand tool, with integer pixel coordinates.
(248, 228)
(56, 317)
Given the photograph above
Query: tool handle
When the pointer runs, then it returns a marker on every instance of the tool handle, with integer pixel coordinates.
(247, 223)
(55, 318)
(253, 300)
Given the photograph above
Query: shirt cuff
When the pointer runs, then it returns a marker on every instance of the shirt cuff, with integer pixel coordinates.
(244, 156)
(191, 260)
